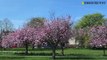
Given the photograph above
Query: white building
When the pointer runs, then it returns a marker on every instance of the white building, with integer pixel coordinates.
(73, 42)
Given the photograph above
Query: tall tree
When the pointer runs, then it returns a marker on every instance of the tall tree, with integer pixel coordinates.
(90, 20)
(85, 23)
(57, 31)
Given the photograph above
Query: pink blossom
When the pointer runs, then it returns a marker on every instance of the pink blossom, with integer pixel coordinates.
(98, 36)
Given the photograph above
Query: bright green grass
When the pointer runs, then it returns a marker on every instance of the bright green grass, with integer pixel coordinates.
(71, 54)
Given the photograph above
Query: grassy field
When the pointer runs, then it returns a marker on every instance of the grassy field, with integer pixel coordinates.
(45, 54)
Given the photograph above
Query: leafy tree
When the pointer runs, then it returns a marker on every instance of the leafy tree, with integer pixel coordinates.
(98, 37)
(81, 36)
(86, 22)
(36, 22)
(90, 20)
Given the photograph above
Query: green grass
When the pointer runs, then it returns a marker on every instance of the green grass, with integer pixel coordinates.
(45, 54)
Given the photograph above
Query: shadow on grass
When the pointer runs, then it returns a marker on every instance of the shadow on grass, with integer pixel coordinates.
(105, 55)
(75, 56)
(8, 57)
(80, 56)
(35, 54)
(67, 56)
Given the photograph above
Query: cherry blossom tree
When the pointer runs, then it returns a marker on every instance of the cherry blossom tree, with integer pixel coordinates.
(57, 32)
(10, 40)
(23, 37)
(98, 36)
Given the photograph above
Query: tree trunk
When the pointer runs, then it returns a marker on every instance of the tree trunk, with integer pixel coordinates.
(33, 46)
(53, 53)
(62, 48)
(104, 51)
(26, 50)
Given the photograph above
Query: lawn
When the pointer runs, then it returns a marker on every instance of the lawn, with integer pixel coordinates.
(45, 54)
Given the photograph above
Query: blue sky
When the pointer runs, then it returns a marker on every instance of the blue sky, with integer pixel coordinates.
(20, 11)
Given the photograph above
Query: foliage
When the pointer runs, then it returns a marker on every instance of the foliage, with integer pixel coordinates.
(36, 22)
(81, 36)
(87, 22)
(91, 20)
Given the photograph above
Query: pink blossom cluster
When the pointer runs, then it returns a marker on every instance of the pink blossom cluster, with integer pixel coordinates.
(22, 36)
(98, 36)
(57, 31)
(52, 32)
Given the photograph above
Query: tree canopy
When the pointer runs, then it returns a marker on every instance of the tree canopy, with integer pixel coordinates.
(90, 20)
(36, 22)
